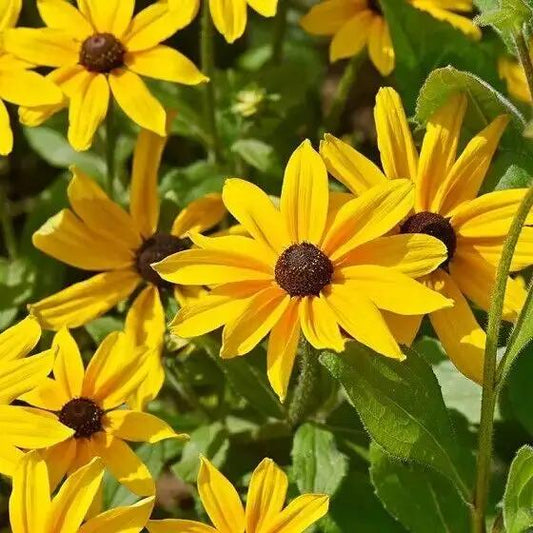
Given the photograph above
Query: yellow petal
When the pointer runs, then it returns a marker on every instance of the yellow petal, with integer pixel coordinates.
(229, 17)
(352, 36)
(200, 215)
(88, 108)
(183, 526)
(327, 18)
(138, 427)
(59, 459)
(300, 514)
(264, 310)
(395, 142)
(350, 167)
(457, 329)
(152, 384)
(412, 254)
(9, 459)
(137, 102)
(221, 501)
(20, 339)
(9, 13)
(256, 212)
(84, 301)
(371, 215)
(305, 195)
(72, 502)
(403, 327)
(282, 347)
(111, 16)
(513, 73)
(131, 519)
(439, 150)
(380, 47)
(62, 15)
(145, 321)
(366, 325)
(266, 495)
(49, 395)
(469, 171)
(25, 87)
(6, 135)
(68, 366)
(29, 503)
(165, 63)
(320, 325)
(266, 8)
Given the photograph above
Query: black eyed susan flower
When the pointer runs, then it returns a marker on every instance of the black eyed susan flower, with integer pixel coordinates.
(355, 24)
(98, 235)
(229, 18)
(446, 206)
(18, 84)
(264, 505)
(99, 49)
(305, 269)
(89, 402)
(33, 510)
(23, 428)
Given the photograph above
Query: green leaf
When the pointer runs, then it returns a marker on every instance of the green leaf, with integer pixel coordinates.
(318, 466)
(518, 388)
(518, 498)
(255, 153)
(421, 499)
(401, 406)
(100, 328)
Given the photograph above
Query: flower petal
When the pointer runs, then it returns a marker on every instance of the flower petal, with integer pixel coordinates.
(183, 526)
(62, 15)
(462, 23)
(200, 215)
(220, 499)
(68, 366)
(138, 427)
(84, 301)
(266, 8)
(59, 459)
(300, 514)
(352, 37)
(27, 88)
(229, 17)
(48, 395)
(20, 339)
(6, 134)
(9, 13)
(328, 17)
(395, 142)
(305, 195)
(404, 328)
(111, 16)
(9, 460)
(380, 47)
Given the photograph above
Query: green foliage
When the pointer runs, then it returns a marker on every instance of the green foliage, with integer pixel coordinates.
(518, 499)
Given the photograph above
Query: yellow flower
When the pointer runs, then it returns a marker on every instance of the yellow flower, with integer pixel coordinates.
(229, 17)
(90, 403)
(98, 49)
(22, 428)
(512, 72)
(18, 84)
(355, 24)
(305, 268)
(473, 229)
(264, 505)
(32, 510)
(98, 235)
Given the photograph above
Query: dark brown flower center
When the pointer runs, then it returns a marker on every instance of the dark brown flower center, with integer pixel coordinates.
(303, 270)
(155, 249)
(102, 52)
(375, 6)
(435, 225)
(82, 415)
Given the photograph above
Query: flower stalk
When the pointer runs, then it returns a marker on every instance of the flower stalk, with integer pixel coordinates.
(525, 59)
(490, 389)
(8, 231)
(280, 30)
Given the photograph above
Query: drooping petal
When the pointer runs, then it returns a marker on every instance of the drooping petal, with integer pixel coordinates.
(403, 327)
(6, 134)
(27, 88)
(9, 13)
(220, 499)
(20, 339)
(111, 16)
(266, 495)
(380, 47)
(59, 459)
(457, 329)
(68, 365)
(229, 17)
(85, 301)
(350, 167)
(282, 347)
(151, 385)
(327, 18)
(395, 142)
(305, 195)
(165, 63)
(300, 514)
(200, 215)
(9, 459)
(137, 101)
(352, 37)
(62, 15)
(183, 526)
(439, 150)
(138, 427)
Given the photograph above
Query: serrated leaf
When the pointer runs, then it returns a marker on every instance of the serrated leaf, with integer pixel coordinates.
(318, 466)
(401, 406)
(421, 499)
(518, 498)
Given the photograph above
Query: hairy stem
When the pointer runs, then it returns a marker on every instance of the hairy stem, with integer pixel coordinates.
(490, 392)
(525, 59)
(280, 30)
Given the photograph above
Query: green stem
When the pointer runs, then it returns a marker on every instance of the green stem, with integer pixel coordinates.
(110, 140)
(280, 29)
(490, 392)
(8, 231)
(304, 398)
(343, 92)
(208, 67)
(525, 59)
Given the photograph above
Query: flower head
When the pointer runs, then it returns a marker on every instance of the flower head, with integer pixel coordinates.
(90, 402)
(446, 206)
(18, 84)
(355, 24)
(33, 510)
(23, 428)
(99, 49)
(122, 246)
(264, 505)
(307, 267)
